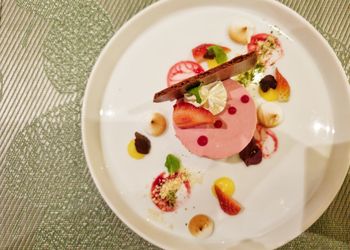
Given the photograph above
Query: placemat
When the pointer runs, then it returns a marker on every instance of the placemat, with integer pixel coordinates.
(47, 197)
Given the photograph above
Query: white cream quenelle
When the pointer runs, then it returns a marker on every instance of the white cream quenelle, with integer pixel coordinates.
(270, 114)
(213, 95)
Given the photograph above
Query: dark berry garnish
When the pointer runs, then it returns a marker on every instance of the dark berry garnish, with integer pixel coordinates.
(142, 143)
(264, 86)
(202, 140)
(218, 124)
(268, 82)
(245, 99)
(251, 154)
(209, 54)
(232, 110)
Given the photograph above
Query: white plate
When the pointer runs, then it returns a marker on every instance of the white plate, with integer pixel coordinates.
(282, 196)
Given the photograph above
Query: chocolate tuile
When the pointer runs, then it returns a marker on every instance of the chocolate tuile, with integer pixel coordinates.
(222, 72)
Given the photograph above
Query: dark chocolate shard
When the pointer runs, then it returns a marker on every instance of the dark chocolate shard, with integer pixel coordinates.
(222, 72)
(142, 143)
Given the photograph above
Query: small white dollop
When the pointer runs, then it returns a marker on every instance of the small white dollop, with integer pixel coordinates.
(241, 30)
(213, 95)
(156, 124)
(270, 114)
(201, 226)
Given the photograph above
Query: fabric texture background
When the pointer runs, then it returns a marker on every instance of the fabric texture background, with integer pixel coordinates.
(47, 197)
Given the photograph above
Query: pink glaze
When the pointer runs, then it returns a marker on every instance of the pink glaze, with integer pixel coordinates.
(237, 130)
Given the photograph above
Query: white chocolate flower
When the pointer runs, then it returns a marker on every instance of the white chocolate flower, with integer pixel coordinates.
(213, 95)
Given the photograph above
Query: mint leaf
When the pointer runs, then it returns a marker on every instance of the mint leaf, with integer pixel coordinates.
(195, 91)
(220, 55)
(172, 163)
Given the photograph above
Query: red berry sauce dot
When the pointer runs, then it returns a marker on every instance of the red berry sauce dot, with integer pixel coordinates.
(245, 98)
(218, 124)
(232, 110)
(202, 140)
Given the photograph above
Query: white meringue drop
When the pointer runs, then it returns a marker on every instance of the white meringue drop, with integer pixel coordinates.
(270, 114)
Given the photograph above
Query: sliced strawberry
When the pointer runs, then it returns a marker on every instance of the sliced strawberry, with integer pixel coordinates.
(283, 88)
(187, 115)
(199, 51)
(227, 204)
(182, 70)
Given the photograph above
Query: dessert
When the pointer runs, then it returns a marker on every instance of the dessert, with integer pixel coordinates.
(183, 70)
(270, 114)
(186, 115)
(139, 147)
(235, 126)
(267, 88)
(201, 226)
(227, 203)
(283, 88)
(267, 46)
(133, 152)
(224, 71)
(216, 115)
(251, 154)
(142, 144)
(226, 185)
(212, 97)
(240, 30)
(169, 188)
(239, 34)
(157, 124)
(209, 51)
(266, 140)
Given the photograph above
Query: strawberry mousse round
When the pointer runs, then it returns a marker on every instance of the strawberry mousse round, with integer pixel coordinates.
(219, 136)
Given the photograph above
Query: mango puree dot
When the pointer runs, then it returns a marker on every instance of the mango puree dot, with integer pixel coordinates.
(226, 185)
(270, 95)
(133, 152)
(212, 63)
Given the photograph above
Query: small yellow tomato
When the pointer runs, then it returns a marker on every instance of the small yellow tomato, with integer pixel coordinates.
(225, 184)
(133, 152)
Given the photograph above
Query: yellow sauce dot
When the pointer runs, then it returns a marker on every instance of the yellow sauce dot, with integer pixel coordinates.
(133, 152)
(225, 184)
(270, 95)
(212, 63)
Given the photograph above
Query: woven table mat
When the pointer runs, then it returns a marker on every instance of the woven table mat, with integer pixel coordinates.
(47, 197)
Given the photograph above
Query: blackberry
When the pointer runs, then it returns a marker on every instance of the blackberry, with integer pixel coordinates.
(268, 82)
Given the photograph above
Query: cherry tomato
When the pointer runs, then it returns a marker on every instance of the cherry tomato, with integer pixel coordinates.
(183, 70)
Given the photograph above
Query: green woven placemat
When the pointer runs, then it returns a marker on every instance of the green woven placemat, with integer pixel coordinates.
(47, 197)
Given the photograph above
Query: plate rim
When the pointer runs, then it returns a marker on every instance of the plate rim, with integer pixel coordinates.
(85, 114)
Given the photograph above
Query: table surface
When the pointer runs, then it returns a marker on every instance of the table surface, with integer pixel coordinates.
(47, 197)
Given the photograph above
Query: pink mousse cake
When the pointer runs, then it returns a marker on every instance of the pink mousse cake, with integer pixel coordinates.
(232, 131)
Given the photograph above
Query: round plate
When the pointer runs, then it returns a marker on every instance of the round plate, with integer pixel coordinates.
(283, 195)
